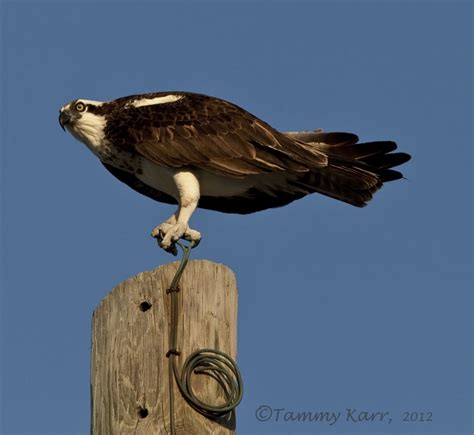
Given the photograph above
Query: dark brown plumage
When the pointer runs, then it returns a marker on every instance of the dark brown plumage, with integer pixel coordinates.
(198, 151)
(214, 135)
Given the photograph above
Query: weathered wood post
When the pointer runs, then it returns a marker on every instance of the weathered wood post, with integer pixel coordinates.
(130, 333)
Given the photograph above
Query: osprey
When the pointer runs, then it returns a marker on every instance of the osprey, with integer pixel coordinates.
(199, 151)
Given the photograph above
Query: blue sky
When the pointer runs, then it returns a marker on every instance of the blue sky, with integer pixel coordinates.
(367, 309)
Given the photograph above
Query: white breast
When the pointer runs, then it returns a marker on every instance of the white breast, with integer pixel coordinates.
(210, 184)
(158, 177)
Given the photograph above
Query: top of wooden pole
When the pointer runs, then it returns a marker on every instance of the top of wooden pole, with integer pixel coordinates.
(130, 328)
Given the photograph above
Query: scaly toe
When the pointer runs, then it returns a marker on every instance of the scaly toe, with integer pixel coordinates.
(168, 234)
(160, 231)
(173, 233)
(192, 236)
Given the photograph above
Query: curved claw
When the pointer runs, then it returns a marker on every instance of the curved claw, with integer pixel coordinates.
(173, 250)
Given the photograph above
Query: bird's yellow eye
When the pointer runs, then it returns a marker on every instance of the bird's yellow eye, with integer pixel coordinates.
(80, 107)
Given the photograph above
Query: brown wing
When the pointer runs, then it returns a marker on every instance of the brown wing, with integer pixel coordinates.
(208, 133)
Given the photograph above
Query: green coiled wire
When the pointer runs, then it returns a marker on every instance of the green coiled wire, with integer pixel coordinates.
(211, 362)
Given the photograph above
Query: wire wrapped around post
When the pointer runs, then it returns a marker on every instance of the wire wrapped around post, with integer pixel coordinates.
(211, 362)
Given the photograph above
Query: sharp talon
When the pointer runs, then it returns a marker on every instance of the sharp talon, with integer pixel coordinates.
(172, 249)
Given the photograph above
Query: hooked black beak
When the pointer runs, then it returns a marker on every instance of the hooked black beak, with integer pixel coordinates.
(64, 119)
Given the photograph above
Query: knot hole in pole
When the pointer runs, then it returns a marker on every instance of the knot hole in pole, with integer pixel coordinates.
(142, 412)
(145, 306)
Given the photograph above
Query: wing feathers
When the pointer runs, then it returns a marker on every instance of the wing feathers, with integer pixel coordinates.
(207, 133)
(215, 135)
(332, 138)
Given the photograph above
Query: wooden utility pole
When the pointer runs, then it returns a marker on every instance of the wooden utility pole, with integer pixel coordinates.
(129, 367)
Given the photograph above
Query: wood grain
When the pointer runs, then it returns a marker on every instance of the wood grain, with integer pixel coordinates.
(129, 369)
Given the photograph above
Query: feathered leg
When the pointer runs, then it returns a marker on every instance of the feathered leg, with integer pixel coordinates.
(176, 227)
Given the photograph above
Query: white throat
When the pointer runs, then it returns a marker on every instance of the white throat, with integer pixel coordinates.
(89, 129)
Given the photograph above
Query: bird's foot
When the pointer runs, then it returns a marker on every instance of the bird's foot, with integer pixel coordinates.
(168, 234)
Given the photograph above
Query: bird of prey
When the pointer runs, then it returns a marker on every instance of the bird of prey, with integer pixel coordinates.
(194, 150)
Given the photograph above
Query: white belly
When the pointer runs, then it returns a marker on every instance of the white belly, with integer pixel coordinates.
(210, 184)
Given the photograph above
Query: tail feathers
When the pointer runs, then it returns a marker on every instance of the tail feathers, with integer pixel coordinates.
(345, 145)
(352, 185)
(385, 161)
(378, 161)
(355, 171)
(360, 150)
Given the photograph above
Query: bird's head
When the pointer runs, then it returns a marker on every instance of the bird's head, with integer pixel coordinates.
(84, 120)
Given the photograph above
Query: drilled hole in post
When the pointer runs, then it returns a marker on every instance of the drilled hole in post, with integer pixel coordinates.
(145, 306)
(142, 412)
